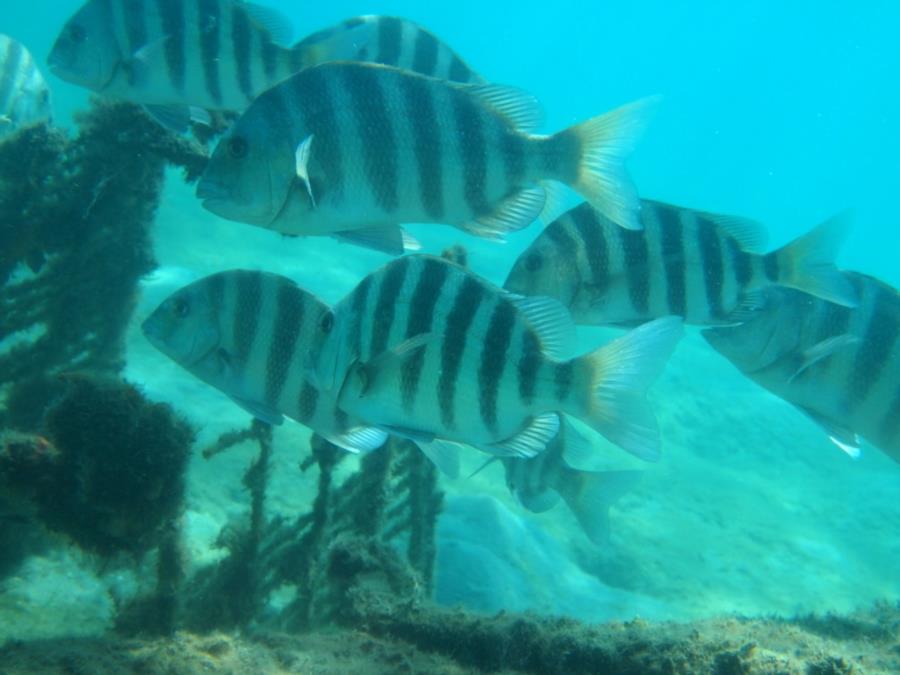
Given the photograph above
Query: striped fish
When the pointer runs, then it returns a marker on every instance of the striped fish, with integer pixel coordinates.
(429, 351)
(539, 482)
(382, 146)
(24, 95)
(247, 334)
(174, 54)
(701, 266)
(838, 365)
(391, 41)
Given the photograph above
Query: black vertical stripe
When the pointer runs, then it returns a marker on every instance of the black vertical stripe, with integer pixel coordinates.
(11, 64)
(529, 363)
(468, 298)
(425, 56)
(172, 13)
(307, 402)
(215, 285)
(890, 425)
(741, 261)
(562, 379)
(878, 342)
(270, 52)
(596, 249)
(359, 303)
(246, 314)
(386, 305)
(711, 262)
(426, 140)
(289, 309)
(312, 94)
(671, 232)
(473, 152)
(493, 360)
(512, 153)
(428, 289)
(135, 18)
(634, 245)
(208, 23)
(771, 266)
(376, 131)
(242, 39)
(459, 71)
(389, 34)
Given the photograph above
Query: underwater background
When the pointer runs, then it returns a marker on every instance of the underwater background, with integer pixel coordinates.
(782, 112)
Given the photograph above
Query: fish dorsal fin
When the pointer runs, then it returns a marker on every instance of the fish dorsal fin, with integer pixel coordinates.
(515, 212)
(750, 235)
(531, 441)
(276, 24)
(359, 440)
(521, 109)
(443, 454)
(823, 350)
(550, 320)
(259, 410)
(846, 439)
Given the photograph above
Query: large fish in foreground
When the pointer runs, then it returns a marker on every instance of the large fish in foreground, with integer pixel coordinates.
(839, 366)
(359, 149)
(427, 350)
(247, 334)
(24, 95)
(705, 267)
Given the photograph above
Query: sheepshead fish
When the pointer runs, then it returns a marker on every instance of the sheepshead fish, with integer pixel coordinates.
(247, 334)
(24, 95)
(539, 482)
(704, 267)
(359, 149)
(389, 40)
(839, 366)
(429, 351)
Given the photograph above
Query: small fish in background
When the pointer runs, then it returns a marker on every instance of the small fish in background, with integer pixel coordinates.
(429, 351)
(248, 334)
(705, 267)
(839, 366)
(539, 482)
(386, 146)
(180, 58)
(389, 40)
(24, 95)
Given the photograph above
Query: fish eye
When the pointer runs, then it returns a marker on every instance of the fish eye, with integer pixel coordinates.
(180, 307)
(237, 146)
(534, 262)
(327, 323)
(77, 33)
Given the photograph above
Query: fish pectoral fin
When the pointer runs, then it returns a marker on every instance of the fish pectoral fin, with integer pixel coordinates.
(390, 239)
(399, 353)
(551, 321)
(518, 107)
(301, 165)
(358, 440)
(846, 439)
(823, 350)
(515, 212)
(276, 24)
(341, 44)
(531, 441)
(177, 118)
(751, 303)
(259, 410)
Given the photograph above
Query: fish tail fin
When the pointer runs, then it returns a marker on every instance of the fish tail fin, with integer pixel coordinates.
(617, 376)
(807, 263)
(590, 157)
(589, 496)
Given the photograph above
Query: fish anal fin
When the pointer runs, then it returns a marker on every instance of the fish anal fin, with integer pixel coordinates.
(530, 441)
(515, 212)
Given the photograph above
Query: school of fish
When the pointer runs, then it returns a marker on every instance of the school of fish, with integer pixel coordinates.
(361, 128)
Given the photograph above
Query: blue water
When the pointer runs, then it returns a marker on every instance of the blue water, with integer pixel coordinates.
(782, 112)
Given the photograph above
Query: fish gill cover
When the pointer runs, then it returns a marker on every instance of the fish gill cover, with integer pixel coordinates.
(238, 559)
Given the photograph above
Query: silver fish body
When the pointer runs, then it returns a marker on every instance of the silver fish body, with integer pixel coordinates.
(24, 95)
(383, 146)
(248, 334)
(428, 350)
(707, 268)
(840, 366)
